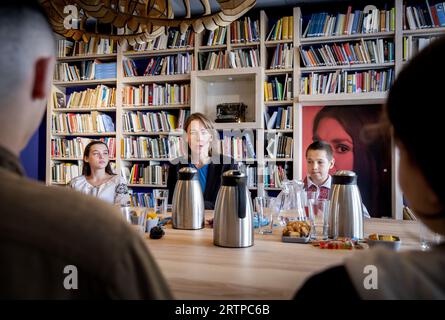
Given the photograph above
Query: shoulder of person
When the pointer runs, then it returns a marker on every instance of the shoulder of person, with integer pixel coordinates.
(64, 221)
(118, 179)
(77, 180)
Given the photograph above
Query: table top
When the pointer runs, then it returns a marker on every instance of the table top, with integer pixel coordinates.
(197, 269)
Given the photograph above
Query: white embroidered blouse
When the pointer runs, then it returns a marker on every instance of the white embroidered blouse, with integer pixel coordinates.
(114, 191)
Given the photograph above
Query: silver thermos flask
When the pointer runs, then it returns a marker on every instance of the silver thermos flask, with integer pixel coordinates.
(345, 214)
(188, 201)
(233, 221)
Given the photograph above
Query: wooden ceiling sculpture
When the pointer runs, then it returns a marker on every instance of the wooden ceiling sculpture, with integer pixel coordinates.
(142, 20)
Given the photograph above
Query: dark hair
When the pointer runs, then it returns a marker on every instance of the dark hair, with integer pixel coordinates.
(323, 146)
(86, 171)
(413, 111)
(374, 176)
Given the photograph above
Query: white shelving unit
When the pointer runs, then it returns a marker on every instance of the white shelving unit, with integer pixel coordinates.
(211, 87)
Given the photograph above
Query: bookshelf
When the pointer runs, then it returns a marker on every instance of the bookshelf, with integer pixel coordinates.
(267, 58)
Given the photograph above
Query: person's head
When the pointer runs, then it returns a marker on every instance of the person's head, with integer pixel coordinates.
(343, 127)
(27, 55)
(412, 109)
(319, 160)
(96, 157)
(200, 132)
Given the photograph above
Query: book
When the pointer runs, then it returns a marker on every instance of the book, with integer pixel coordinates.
(59, 100)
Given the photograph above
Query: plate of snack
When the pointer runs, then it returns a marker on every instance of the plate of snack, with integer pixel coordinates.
(384, 240)
(297, 232)
(340, 244)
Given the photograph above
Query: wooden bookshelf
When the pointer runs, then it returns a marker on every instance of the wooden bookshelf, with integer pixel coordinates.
(355, 66)
(343, 98)
(278, 159)
(273, 43)
(153, 79)
(138, 185)
(204, 96)
(81, 83)
(84, 134)
(271, 72)
(157, 133)
(73, 159)
(345, 38)
(66, 110)
(145, 159)
(161, 52)
(277, 103)
(213, 47)
(110, 56)
(161, 107)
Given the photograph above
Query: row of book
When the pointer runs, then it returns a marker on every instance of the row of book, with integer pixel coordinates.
(142, 173)
(276, 90)
(96, 122)
(423, 16)
(85, 70)
(275, 174)
(156, 94)
(162, 65)
(74, 148)
(363, 51)
(245, 30)
(283, 29)
(62, 172)
(67, 48)
(145, 147)
(244, 58)
(216, 37)
(252, 176)
(212, 60)
(412, 45)
(239, 147)
(141, 199)
(174, 39)
(149, 122)
(283, 57)
(347, 82)
(279, 146)
(325, 24)
(282, 118)
(100, 97)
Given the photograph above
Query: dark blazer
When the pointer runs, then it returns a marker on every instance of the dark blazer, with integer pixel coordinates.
(213, 181)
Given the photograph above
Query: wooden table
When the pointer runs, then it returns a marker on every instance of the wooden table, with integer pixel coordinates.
(271, 269)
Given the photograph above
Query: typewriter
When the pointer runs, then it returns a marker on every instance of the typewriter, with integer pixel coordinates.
(231, 112)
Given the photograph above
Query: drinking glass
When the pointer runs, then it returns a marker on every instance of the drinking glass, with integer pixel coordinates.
(136, 216)
(160, 197)
(428, 238)
(320, 220)
(264, 215)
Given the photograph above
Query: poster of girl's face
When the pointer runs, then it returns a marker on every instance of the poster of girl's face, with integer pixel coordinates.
(345, 129)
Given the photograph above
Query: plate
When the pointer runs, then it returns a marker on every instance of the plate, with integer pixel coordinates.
(295, 239)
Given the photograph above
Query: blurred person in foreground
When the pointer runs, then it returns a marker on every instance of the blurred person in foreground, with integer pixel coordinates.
(412, 117)
(55, 243)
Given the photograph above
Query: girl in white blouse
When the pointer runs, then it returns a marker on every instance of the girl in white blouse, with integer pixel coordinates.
(97, 177)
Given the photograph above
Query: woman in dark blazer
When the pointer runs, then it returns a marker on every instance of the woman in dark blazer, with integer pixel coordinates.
(210, 165)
